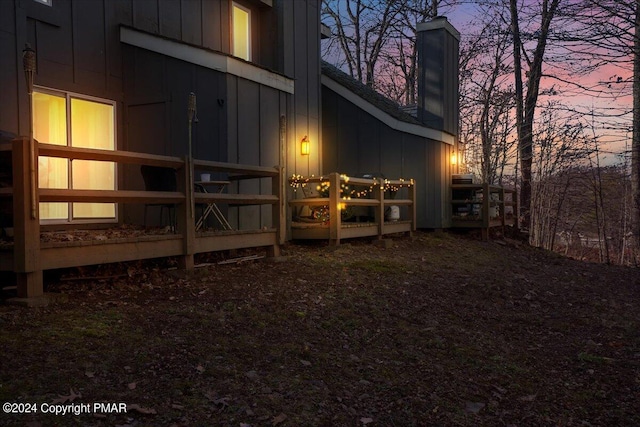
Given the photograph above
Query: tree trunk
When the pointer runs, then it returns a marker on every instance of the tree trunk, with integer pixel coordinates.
(526, 112)
(525, 200)
(635, 142)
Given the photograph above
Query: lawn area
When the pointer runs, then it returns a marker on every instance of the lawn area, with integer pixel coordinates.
(437, 329)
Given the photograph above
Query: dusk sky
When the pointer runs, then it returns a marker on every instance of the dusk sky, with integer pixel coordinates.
(613, 140)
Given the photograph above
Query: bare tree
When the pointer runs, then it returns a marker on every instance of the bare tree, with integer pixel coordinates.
(526, 103)
(486, 97)
(605, 33)
(375, 41)
(362, 30)
(560, 149)
(400, 83)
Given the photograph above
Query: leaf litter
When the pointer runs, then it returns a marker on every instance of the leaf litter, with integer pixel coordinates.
(434, 330)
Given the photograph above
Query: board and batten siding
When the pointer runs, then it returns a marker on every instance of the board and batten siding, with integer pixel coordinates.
(356, 142)
(80, 49)
(301, 41)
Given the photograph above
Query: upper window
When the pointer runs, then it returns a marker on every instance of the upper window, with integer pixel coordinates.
(66, 119)
(241, 31)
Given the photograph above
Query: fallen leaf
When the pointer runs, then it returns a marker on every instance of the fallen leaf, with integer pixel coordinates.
(366, 421)
(176, 406)
(89, 374)
(200, 368)
(132, 386)
(64, 399)
(474, 407)
(305, 362)
(279, 419)
(529, 398)
(223, 401)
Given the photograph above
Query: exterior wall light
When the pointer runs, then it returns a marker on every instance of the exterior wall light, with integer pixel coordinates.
(305, 146)
(454, 158)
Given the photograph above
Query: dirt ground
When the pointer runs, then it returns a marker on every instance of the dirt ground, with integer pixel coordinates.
(437, 329)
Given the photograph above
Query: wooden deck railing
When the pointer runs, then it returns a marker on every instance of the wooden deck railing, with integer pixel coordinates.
(483, 206)
(30, 257)
(347, 192)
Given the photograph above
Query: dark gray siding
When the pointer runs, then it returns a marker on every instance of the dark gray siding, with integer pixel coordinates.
(438, 76)
(300, 59)
(78, 43)
(12, 83)
(79, 50)
(355, 142)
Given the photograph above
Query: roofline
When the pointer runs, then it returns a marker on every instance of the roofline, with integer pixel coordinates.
(206, 58)
(437, 23)
(385, 117)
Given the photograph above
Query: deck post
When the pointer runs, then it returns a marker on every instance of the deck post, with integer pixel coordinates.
(379, 195)
(186, 216)
(277, 214)
(516, 216)
(335, 212)
(413, 208)
(503, 210)
(26, 242)
(486, 202)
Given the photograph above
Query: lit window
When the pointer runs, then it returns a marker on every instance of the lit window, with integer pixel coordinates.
(47, 2)
(241, 24)
(64, 119)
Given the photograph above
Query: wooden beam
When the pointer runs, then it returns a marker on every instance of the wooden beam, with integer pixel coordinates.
(103, 252)
(109, 196)
(26, 240)
(311, 201)
(398, 202)
(237, 199)
(128, 157)
(378, 192)
(250, 171)
(335, 214)
(227, 241)
(322, 201)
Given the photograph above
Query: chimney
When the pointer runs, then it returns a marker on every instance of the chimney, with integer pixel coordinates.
(438, 105)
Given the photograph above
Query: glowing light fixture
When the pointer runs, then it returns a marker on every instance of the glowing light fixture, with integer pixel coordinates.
(454, 158)
(305, 146)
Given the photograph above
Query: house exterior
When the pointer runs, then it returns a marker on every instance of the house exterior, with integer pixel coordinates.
(119, 74)
(231, 82)
(363, 132)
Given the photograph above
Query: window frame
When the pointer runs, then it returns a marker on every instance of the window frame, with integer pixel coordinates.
(68, 96)
(250, 30)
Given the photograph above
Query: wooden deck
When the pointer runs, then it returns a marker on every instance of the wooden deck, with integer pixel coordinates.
(29, 256)
(483, 206)
(340, 187)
